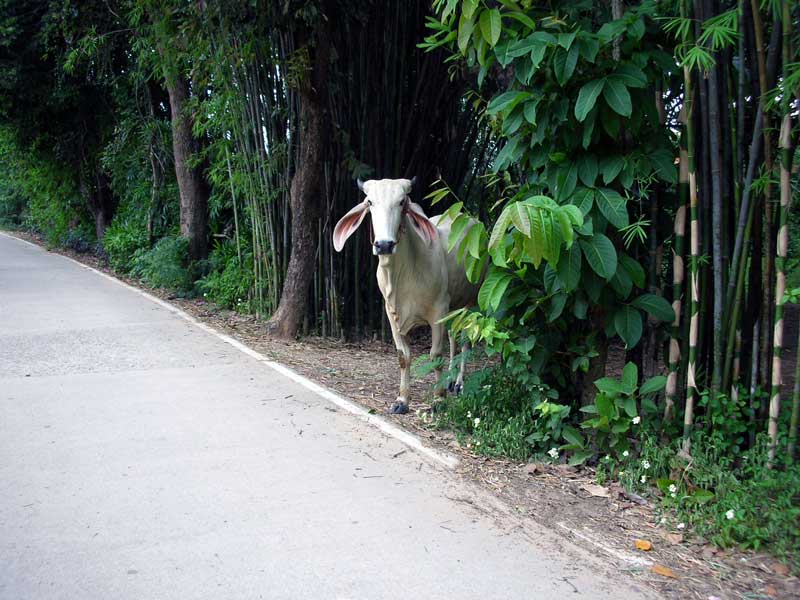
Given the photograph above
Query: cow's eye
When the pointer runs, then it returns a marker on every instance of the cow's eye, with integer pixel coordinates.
(369, 202)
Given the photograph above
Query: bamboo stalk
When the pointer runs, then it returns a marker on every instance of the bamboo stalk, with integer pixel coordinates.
(694, 244)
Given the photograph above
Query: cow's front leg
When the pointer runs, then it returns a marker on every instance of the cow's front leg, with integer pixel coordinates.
(437, 339)
(400, 405)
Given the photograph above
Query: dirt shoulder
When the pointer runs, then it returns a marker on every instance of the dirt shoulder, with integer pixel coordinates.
(600, 519)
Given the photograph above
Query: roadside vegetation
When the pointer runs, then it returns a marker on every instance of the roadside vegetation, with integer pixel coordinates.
(632, 167)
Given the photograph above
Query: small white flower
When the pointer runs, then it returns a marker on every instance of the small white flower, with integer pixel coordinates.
(553, 452)
(478, 443)
(607, 457)
(643, 478)
(622, 472)
(477, 421)
(673, 495)
(469, 414)
(645, 464)
(673, 488)
(681, 525)
(729, 515)
(662, 521)
(636, 420)
(625, 454)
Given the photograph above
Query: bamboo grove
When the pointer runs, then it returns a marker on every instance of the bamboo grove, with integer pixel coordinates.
(632, 166)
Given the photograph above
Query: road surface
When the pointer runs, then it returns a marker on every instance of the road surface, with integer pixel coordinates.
(142, 457)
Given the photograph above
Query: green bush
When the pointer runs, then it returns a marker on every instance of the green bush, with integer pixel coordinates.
(123, 239)
(229, 281)
(503, 417)
(166, 265)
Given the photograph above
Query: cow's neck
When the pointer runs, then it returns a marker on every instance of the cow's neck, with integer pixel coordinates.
(398, 267)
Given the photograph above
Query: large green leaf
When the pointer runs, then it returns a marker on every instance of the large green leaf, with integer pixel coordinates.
(601, 255)
(630, 75)
(634, 269)
(466, 25)
(583, 199)
(520, 217)
(628, 323)
(664, 165)
(491, 25)
(569, 269)
(457, 229)
(500, 228)
(493, 288)
(468, 7)
(604, 404)
(587, 97)
(506, 102)
(617, 97)
(564, 64)
(656, 306)
(621, 282)
(630, 378)
(610, 166)
(509, 154)
(587, 169)
(653, 385)
(613, 207)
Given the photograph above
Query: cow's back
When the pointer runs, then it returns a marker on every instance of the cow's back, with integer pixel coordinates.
(462, 292)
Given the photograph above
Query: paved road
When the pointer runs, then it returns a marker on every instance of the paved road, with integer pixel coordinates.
(142, 457)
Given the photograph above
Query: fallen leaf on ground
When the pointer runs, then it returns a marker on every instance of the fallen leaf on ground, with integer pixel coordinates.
(771, 591)
(534, 468)
(780, 569)
(596, 490)
(645, 545)
(663, 571)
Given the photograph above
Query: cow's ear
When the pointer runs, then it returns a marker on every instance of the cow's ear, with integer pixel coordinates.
(348, 224)
(422, 224)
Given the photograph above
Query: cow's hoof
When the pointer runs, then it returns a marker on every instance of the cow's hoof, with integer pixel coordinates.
(454, 388)
(398, 408)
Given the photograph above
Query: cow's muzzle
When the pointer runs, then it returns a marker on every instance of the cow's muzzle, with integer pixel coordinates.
(384, 247)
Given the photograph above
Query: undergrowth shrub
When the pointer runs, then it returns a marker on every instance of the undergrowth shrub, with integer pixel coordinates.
(229, 280)
(504, 417)
(166, 265)
(123, 239)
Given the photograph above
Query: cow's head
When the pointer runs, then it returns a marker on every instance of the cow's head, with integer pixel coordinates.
(388, 202)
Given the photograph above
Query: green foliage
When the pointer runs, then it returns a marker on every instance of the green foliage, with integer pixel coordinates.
(617, 410)
(498, 416)
(166, 265)
(124, 240)
(570, 190)
(229, 282)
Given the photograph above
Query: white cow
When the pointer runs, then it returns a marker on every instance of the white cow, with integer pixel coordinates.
(420, 281)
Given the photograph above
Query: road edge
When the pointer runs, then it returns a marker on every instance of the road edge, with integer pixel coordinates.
(409, 439)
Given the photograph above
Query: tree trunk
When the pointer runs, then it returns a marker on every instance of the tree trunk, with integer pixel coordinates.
(305, 199)
(192, 186)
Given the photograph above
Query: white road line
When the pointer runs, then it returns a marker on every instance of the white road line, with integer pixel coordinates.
(389, 429)
(618, 554)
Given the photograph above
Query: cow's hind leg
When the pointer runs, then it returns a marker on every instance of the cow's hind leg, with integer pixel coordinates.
(437, 340)
(454, 386)
(400, 405)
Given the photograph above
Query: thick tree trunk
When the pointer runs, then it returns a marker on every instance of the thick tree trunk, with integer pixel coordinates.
(192, 186)
(306, 197)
